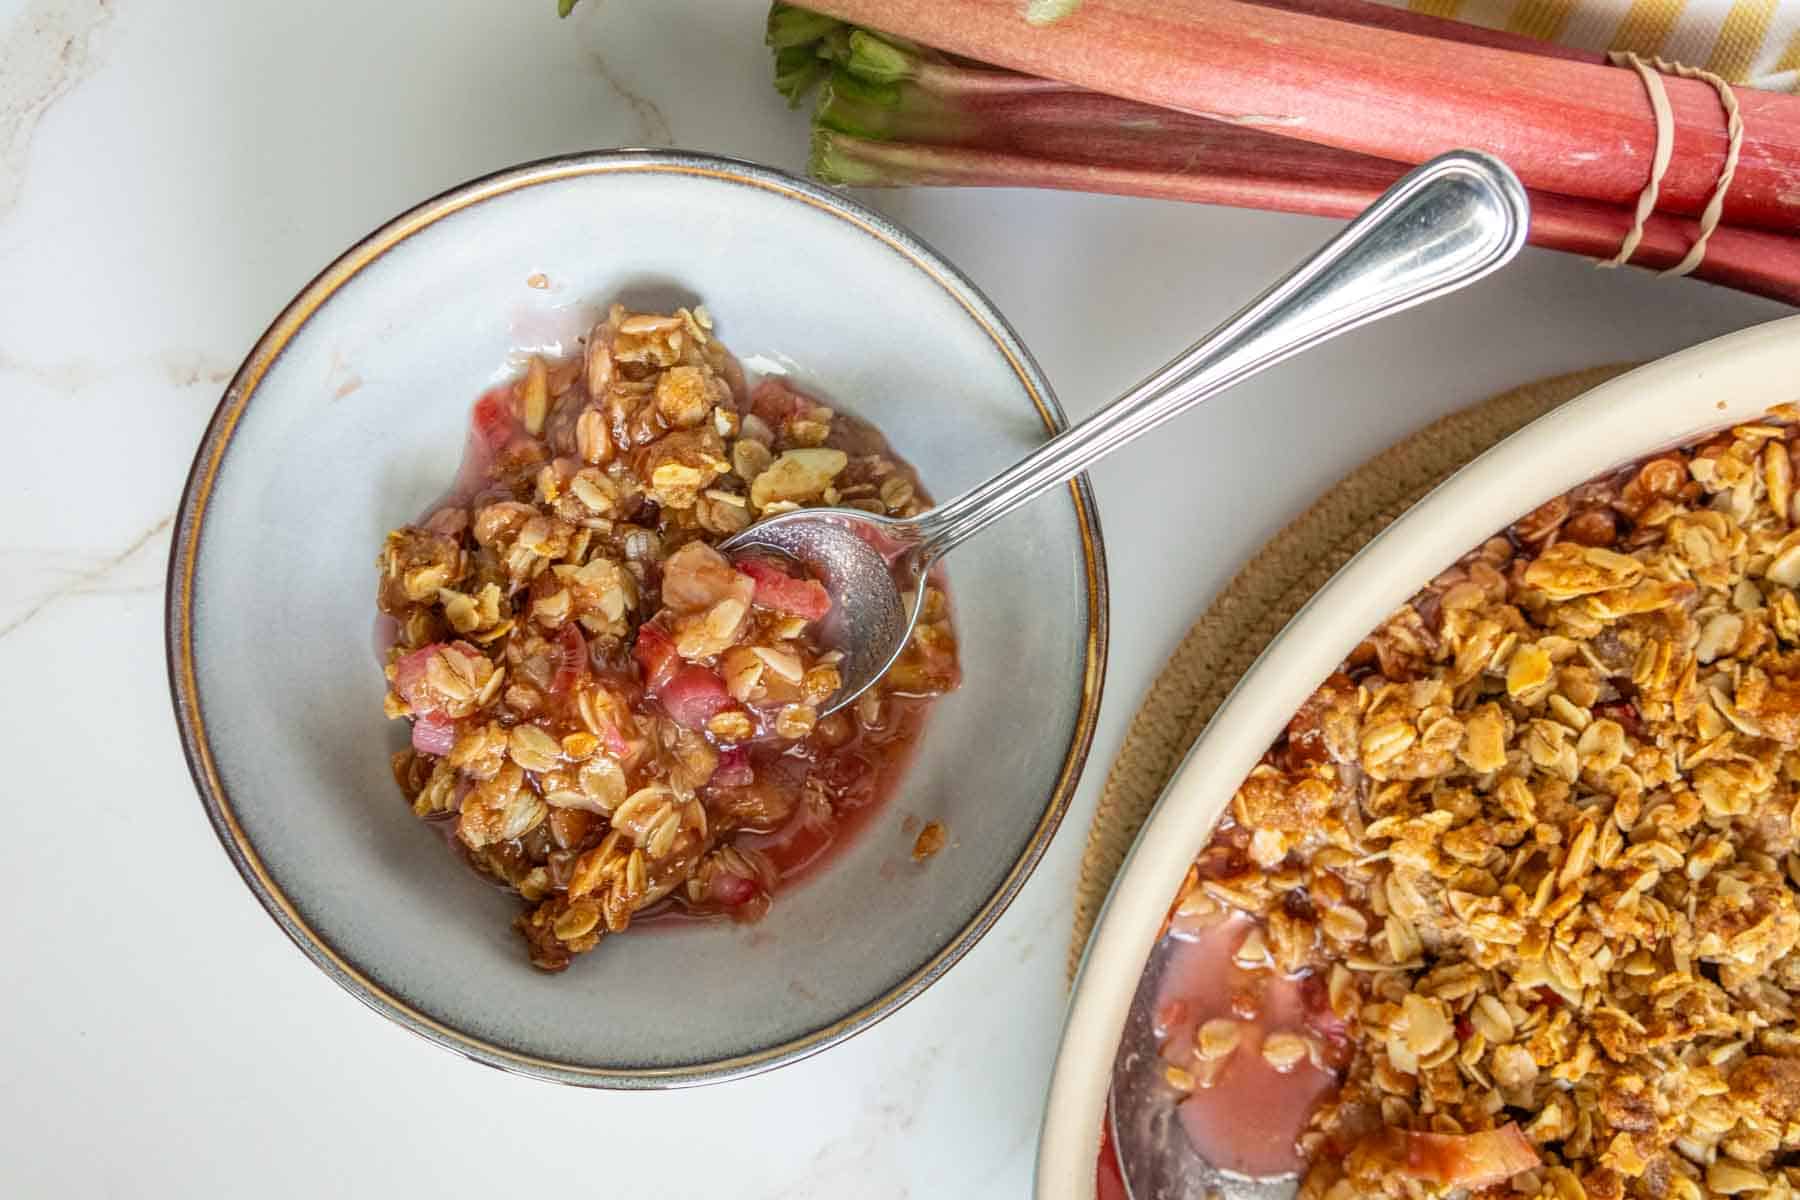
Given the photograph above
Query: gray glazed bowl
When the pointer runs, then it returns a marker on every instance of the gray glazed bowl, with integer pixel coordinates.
(348, 417)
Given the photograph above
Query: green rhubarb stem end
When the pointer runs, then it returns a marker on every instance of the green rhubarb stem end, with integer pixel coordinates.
(789, 26)
(808, 46)
(877, 60)
(797, 69)
(857, 107)
(830, 162)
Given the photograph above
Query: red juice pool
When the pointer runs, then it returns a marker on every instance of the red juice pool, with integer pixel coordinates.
(1248, 1117)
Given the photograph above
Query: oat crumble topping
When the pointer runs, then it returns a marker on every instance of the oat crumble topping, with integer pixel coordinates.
(607, 713)
(1538, 843)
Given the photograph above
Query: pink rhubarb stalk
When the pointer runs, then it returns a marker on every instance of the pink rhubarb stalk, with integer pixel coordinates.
(1243, 169)
(892, 114)
(1575, 128)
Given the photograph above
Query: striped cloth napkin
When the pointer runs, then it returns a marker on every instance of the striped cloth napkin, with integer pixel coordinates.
(1752, 42)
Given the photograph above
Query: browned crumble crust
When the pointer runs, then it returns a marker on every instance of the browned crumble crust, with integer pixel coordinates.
(1537, 838)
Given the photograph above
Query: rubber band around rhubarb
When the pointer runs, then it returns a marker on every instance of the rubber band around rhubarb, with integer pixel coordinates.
(1650, 71)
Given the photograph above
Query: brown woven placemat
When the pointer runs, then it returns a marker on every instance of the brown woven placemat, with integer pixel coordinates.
(1263, 596)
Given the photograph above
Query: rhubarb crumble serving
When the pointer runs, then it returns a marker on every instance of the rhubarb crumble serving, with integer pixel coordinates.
(1510, 909)
(609, 716)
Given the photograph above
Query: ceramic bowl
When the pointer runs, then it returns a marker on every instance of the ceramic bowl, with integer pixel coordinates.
(1654, 407)
(348, 418)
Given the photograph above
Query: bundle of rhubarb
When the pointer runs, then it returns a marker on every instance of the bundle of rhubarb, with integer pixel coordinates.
(1302, 106)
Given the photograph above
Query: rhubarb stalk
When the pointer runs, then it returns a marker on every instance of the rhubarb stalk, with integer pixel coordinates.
(895, 115)
(1383, 16)
(1751, 260)
(1566, 126)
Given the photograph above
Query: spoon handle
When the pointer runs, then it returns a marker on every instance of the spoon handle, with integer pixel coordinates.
(1445, 224)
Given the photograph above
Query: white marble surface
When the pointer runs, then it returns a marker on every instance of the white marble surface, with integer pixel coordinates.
(170, 173)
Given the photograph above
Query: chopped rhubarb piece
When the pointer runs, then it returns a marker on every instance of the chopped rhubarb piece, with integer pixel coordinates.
(655, 653)
(774, 401)
(730, 889)
(614, 741)
(1626, 714)
(777, 590)
(410, 674)
(433, 733)
(571, 659)
(694, 695)
(493, 420)
(883, 543)
(1467, 1160)
(1110, 1184)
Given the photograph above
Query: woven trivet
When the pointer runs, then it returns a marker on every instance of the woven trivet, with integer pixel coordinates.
(1265, 594)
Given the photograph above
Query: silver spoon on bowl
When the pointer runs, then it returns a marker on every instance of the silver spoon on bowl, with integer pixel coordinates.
(1444, 225)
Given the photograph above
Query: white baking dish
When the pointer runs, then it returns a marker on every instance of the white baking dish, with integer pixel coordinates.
(1719, 383)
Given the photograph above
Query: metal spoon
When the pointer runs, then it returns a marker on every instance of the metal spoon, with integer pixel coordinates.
(1156, 1159)
(1446, 224)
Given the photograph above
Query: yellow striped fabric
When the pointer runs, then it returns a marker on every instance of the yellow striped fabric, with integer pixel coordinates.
(1751, 42)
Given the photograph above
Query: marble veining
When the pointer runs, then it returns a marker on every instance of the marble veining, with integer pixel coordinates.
(87, 576)
(66, 377)
(653, 127)
(43, 54)
(843, 1166)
